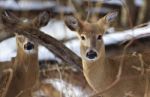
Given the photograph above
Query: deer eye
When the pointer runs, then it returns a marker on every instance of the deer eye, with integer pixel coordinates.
(99, 37)
(83, 37)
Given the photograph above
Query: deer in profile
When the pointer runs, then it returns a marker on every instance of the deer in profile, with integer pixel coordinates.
(100, 71)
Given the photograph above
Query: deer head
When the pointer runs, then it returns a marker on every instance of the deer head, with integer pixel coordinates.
(90, 35)
(24, 44)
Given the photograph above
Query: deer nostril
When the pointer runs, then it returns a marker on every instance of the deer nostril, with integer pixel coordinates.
(29, 46)
(91, 54)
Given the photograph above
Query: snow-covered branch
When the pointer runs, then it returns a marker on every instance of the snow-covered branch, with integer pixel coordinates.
(126, 35)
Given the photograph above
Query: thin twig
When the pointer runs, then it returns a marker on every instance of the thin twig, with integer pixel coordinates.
(146, 86)
(142, 64)
(60, 77)
(19, 94)
(128, 12)
(88, 12)
(10, 71)
(141, 25)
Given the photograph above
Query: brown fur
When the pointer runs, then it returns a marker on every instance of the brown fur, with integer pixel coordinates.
(24, 79)
(26, 70)
(101, 72)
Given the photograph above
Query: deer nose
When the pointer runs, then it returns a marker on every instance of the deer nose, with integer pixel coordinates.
(29, 46)
(91, 54)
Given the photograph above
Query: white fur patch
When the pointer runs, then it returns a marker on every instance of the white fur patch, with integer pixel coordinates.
(30, 51)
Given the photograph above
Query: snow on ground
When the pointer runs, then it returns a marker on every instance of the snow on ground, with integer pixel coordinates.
(58, 30)
(67, 89)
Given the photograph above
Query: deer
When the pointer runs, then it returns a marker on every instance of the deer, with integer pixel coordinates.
(25, 68)
(109, 76)
(22, 76)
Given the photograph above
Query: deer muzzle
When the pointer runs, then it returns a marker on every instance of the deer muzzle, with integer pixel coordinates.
(29, 46)
(91, 54)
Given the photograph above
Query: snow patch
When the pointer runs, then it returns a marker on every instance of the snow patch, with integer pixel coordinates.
(67, 89)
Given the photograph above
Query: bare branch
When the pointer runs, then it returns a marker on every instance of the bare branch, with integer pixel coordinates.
(49, 42)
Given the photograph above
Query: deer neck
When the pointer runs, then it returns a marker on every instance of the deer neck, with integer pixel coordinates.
(25, 58)
(90, 66)
(26, 65)
(98, 72)
(27, 62)
(26, 73)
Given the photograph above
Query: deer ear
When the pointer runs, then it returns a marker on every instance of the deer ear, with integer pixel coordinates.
(73, 23)
(41, 20)
(106, 20)
(111, 16)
